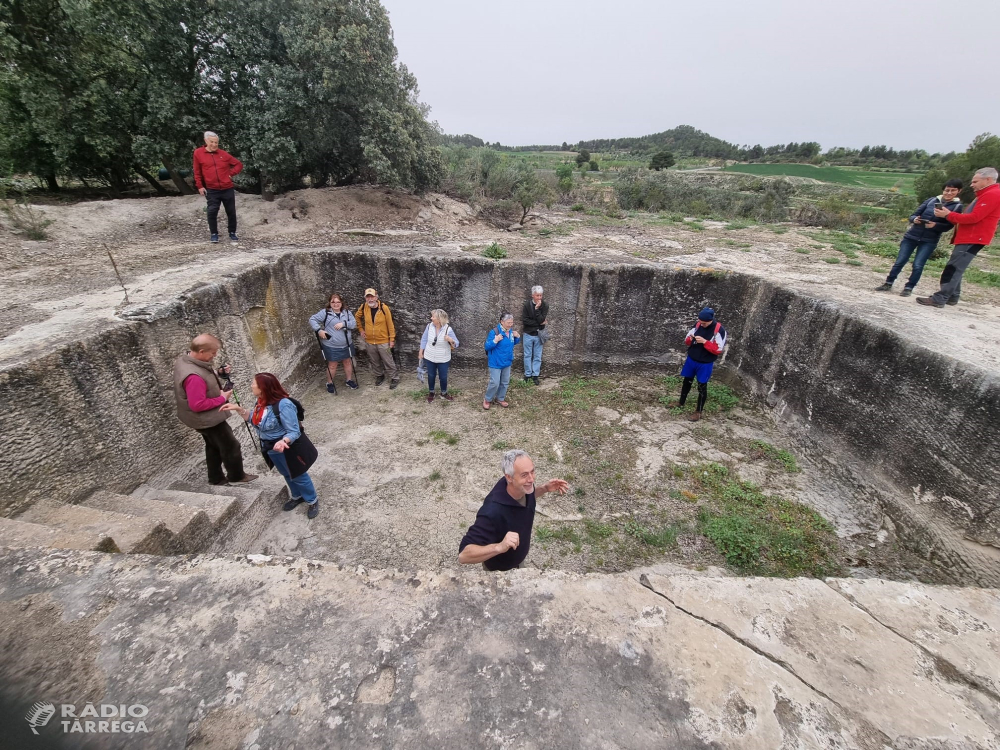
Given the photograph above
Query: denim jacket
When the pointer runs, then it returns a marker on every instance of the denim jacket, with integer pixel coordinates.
(269, 427)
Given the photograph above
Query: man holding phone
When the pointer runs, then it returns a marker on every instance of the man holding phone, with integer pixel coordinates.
(199, 393)
(705, 343)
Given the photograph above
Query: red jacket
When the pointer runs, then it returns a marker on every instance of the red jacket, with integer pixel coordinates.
(214, 170)
(979, 225)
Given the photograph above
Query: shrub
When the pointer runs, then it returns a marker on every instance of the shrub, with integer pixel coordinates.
(582, 157)
(23, 217)
(564, 170)
(495, 252)
(662, 160)
(594, 166)
(577, 207)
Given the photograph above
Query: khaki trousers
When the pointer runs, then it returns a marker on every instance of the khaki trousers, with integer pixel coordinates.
(380, 357)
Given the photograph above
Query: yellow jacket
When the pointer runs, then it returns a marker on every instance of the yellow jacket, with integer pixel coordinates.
(379, 331)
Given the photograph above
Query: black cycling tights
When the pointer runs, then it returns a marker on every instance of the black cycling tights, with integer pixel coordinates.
(702, 393)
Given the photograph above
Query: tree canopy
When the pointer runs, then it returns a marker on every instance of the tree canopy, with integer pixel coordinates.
(105, 89)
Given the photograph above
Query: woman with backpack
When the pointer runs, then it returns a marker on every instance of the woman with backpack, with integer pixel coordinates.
(500, 342)
(333, 326)
(284, 444)
(435, 350)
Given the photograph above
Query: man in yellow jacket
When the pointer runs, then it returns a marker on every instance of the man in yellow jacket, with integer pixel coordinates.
(376, 328)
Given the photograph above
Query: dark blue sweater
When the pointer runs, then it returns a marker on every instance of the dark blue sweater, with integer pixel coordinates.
(925, 211)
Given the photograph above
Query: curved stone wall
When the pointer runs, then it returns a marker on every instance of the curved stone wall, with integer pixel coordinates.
(99, 413)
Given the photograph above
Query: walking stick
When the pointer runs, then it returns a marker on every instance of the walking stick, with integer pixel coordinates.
(236, 398)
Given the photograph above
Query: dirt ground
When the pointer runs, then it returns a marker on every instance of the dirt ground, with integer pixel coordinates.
(400, 479)
(160, 246)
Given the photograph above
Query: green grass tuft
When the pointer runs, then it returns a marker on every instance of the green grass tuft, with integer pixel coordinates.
(495, 252)
(720, 397)
(445, 437)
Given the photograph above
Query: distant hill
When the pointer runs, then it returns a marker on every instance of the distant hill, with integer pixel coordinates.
(684, 140)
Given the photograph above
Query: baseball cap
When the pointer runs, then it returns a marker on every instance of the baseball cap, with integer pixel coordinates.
(371, 291)
(707, 313)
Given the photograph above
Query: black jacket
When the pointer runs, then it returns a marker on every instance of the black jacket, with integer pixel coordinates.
(925, 211)
(531, 319)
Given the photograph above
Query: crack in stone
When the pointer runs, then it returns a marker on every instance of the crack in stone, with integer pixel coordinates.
(947, 670)
(644, 580)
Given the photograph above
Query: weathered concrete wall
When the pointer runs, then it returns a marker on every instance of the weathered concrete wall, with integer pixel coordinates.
(100, 413)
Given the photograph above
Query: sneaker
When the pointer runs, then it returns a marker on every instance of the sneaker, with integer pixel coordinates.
(694, 416)
(379, 380)
(430, 397)
(331, 388)
(884, 288)
(233, 237)
(929, 301)
(214, 239)
(313, 510)
(906, 292)
(447, 397)
(504, 404)
(223, 483)
(246, 478)
(486, 405)
(352, 385)
(535, 380)
(527, 378)
(393, 384)
(292, 504)
(952, 302)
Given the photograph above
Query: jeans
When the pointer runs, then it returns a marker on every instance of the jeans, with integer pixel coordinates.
(301, 486)
(222, 448)
(951, 278)
(499, 380)
(532, 355)
(228, 199)
(924, 251)
(437, 369)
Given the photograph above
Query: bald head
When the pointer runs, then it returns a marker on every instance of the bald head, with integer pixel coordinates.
(205, 346)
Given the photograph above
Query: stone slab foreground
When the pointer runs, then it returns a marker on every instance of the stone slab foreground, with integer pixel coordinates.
(254, 652)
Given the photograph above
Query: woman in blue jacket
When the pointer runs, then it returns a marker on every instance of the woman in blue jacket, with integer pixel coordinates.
(500, 343)
(923, 235)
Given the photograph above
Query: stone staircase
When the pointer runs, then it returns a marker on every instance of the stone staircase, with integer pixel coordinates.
(169, 515)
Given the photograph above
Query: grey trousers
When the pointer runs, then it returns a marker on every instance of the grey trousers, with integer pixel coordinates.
(951, 278)
(380, 356)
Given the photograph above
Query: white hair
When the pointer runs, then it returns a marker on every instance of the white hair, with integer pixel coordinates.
(508, 461)
(988, 172)
(537, 290)
(505, 316)
(441, 315)
(210, 134)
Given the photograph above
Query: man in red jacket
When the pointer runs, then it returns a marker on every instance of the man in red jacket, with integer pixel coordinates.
(213, 173)
(974, 229)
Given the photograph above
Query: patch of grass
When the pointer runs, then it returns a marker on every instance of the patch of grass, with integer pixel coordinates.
(696, 225)
(720, 397)
(778, 230)
(557, 533)
(853, 262)
(740, 224)
(597, 531)
(445, 437)
(580, 492)
(494, 251)
(763, 534)
(763, 449)
(660, 537)
(434, 475)
(577, 207)
(978, 276)
(502, 445)
(802, 250)
(831, 260)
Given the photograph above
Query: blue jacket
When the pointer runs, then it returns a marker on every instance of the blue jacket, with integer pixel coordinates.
(271, 429)
(501, 354)
(925, 211)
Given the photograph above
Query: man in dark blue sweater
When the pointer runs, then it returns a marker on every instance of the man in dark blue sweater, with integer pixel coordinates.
(501, 536)
(923, 235)
(705, 342)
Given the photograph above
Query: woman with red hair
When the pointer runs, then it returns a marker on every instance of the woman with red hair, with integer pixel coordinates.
(283, 442)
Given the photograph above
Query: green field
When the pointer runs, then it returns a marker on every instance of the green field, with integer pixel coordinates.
(850, 176)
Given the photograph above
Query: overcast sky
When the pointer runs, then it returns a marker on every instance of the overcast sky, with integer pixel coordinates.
(907, 73)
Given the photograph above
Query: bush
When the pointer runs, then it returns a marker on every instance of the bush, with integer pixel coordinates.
(24, 218)
(594, 166)
(564, 171)
(662, 160)
(582, 157)
(577, 207)
(495, 252)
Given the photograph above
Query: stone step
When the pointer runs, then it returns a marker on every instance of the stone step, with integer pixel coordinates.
(191, 527)
(220, 508)
(130, 533)
(14, 533)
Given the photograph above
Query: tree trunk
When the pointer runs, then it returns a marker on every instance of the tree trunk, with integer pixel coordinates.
(179, 181)
(160, 190)
(53, 184)
(265, 187)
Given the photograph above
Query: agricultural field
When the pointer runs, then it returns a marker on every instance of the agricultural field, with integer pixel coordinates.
(850, 176)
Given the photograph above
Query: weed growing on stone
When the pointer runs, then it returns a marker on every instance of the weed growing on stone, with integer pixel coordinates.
(762, 534)
(763, 449)
(445, 437)
(434, 475)
(597, 531)
(720, 397)
(494, 251)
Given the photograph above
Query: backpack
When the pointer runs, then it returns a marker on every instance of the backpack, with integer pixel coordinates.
(299, 409)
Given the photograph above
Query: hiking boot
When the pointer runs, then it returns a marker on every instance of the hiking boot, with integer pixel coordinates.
(393, 384)
(486, 405)
(352, 385)
(246, 478)
(214, 239)
(929, 301)
(527, 378)
(313, 510)
(447, 397)
(331, 388)
(430, 397)
(233, 237)
(884, 288)
(292, 504)
(952, 302)
(906, 292)
(694, 416)
(379, 380)
(535, 380)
